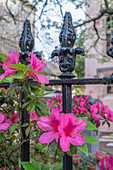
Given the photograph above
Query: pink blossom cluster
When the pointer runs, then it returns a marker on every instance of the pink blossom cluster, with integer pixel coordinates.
(63, 127)
(36, 65)
(55, 101)
(95, 112)
(104, 161)
(76, 156)
(6, 122)
(81, 104)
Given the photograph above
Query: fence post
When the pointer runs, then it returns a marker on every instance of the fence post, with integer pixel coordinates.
(67, 56)
(26, 45)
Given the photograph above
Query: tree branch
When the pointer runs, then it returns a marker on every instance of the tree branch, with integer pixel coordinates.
(13, 17)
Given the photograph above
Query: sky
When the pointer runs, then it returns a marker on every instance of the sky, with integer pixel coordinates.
(48, 38)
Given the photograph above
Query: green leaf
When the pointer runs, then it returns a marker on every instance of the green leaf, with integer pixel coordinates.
(28, 166)
(83, 148)
(25, 125)
(36, 165)
(85, 118)
(9, 80)
(90, 126)
(108, 124)
(3, 56)
(27, 131)
(18, 66)
(25, 104)
(40, 72)
(42, 107)
(103, 123)
(43, 86)
(12, 128)
(27, 88)
(89, 139)
(34, 84)
(13, 86)
(31, 107)
(18, 75)
(73, 150)
(58, 166)
(47, 167)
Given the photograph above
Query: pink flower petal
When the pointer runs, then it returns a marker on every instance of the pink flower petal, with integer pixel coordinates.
(47, 137)
(2, 117)
(77, 140)
(44, 123)
(4, 126)
(64, 143)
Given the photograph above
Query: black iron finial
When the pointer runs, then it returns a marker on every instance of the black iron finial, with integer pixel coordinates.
(67, 36)
(26, 43)
(110, 49)
(67, 54)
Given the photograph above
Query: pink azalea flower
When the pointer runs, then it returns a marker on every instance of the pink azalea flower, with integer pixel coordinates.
(97, 123)
(82, 109)
(3, 126)
(13, 58)
(96, 116)
(50, 104)
(86, 98)
(14, 118)
(82, 104)
(98, 156)
(104, 109)
(80, 98)
(103, 163)
(75, 99)
(34, 116)
(70, 130)
(60, 100)
(49, 124)
(110, 115)
(97, 105)
(7, 120)
(37, 65)
(87, 102)
(76, 156)
(59, 108)
(75, 109)
(93, 109)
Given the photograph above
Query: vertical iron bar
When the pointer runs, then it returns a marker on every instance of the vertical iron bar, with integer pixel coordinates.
(67, 106)
(26, 44)
(25, 147)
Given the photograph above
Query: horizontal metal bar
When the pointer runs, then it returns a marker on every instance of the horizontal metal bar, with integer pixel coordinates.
(105, 80)
(84, 81)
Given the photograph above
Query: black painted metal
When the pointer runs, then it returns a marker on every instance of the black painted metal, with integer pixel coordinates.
(105, 80)
(25, 147)
(26, 44)
(67, 54)
(67, 107)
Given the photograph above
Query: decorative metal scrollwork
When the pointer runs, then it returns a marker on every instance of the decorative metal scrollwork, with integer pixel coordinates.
(67, 54)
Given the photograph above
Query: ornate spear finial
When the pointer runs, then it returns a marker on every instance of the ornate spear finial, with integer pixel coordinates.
(26, 43)
(67, 36)
(67, 54)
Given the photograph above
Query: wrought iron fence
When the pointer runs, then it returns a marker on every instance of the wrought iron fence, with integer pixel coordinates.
(67, 60)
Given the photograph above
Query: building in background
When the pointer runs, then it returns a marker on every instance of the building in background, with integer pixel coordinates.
(94, 68)
(12, 16)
